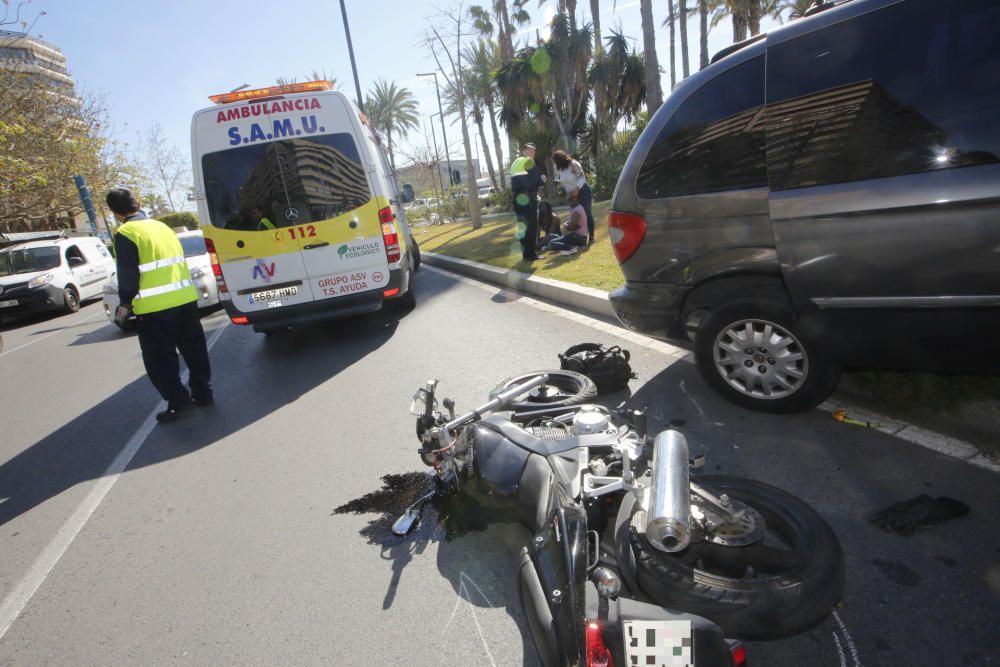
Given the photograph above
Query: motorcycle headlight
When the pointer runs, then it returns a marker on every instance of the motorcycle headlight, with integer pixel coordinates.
(197, 273)
(43, 279)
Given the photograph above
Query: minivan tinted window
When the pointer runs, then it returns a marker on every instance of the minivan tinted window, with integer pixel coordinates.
(293, 181)
(910, 88)
(714, 141)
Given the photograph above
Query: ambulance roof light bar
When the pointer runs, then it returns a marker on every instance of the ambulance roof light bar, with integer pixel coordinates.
(271, 91)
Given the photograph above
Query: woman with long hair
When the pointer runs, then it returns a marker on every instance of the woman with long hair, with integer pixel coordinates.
(572, 178)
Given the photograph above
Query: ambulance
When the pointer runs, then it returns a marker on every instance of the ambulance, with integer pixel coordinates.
(301, 214)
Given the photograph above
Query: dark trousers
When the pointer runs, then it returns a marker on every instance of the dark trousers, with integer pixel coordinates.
(527, 214)
(587, 202)
(161, 335)
(567, 241)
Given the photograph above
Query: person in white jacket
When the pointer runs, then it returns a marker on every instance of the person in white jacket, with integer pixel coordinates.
(572, 178)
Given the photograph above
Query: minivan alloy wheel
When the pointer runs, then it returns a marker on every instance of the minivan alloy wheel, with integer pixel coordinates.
(760, 359)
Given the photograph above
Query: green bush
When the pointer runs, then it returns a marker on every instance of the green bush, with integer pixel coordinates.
(180, 219)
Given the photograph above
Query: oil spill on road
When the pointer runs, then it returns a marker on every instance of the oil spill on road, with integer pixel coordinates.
(443, 518)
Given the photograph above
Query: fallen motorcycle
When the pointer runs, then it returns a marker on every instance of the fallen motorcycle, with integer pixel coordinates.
(635, 557)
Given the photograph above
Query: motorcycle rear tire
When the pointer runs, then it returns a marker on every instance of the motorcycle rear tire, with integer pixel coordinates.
(574, 389)
(755, 607)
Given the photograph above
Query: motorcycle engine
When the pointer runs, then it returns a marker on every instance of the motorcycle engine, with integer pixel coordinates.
(590, 419)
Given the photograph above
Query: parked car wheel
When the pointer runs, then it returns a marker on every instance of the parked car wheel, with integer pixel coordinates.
(754, 354)
(70, 300)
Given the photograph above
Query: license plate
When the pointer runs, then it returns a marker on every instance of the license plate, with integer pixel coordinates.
(272, 294)
(660, 643)
(7, 304)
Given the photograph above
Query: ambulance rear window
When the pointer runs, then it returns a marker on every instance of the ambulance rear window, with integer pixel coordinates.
(288, 182)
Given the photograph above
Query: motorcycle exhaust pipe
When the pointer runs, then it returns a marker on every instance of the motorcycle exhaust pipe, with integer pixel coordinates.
(668, 525)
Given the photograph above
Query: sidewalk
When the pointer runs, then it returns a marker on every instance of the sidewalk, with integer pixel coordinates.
(970, 431)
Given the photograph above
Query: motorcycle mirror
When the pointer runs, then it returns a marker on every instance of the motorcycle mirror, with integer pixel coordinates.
(419, 403)
(449, 405)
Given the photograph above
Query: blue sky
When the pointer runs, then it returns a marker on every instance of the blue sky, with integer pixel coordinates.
(159, 61)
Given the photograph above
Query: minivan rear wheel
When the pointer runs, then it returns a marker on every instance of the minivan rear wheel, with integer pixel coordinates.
(754, 354)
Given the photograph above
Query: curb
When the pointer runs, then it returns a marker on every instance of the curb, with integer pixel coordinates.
(584, 300)
(593, 302)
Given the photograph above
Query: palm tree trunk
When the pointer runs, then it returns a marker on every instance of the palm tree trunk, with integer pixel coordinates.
(703, 21)
(654, 96)
(595, 17)
(753, 18)
(388, 140)
(496, 143)
(672, 18)
(682, 10)
(739, 16)
(478, 117)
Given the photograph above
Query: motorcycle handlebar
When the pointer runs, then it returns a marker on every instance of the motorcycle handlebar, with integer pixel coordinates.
(502, 399)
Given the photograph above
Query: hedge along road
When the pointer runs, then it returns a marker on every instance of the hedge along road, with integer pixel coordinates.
(219, 542)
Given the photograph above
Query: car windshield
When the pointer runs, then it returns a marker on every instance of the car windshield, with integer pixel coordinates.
(28, 260)
(193, 245)
(293, 180)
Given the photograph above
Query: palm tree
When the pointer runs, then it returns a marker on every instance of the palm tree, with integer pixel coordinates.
(484, 60)
(391, 108)
(595, 18)
(703, 34)
(654, 95)
(796, 8)
(671, 19)
(683, 14)
(314, 75)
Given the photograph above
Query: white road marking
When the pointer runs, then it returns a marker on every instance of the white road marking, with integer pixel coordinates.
(847, 638)
(840, 650)
(48, 335)
(463, 596)
(937, 442)
(691, 398)
(18, 599)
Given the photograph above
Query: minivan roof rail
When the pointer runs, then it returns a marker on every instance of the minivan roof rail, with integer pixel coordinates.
(733, 48)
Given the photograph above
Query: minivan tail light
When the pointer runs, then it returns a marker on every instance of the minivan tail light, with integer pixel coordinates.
(627, 232)
(389, 234)
(598, 654)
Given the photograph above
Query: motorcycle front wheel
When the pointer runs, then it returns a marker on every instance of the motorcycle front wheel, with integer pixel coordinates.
(780, 586)
(563, 388)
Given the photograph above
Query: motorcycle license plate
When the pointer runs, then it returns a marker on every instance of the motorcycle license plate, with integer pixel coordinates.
(659, 643)
(272, 294)
(8, 304)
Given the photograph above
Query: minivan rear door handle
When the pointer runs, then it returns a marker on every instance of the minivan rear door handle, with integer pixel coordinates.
(311, 246)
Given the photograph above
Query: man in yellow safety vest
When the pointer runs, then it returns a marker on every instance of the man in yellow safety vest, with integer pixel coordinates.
(155, 284)
(525, 179)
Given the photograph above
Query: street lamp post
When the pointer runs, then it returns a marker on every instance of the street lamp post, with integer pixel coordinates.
(437, 160)
(444, 135)
(350, 50)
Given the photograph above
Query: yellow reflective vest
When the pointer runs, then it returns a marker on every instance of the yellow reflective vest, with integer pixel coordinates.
(164, 279)
(521, 165)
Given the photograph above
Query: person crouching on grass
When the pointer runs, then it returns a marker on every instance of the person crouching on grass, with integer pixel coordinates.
(574, 229)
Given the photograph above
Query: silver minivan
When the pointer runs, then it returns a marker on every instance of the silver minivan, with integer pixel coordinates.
(826, 195)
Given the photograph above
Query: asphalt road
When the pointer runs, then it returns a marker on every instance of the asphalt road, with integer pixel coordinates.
(219, 542)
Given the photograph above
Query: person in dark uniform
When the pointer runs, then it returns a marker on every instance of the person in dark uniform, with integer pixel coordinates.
(525, 179)
(155, 284)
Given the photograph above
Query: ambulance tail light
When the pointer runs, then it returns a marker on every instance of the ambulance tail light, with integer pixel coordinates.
(389, 234)
(240, 319)
(216, 267)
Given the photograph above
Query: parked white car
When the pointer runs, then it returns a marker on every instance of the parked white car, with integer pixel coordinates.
(199, 263)
(54, 274)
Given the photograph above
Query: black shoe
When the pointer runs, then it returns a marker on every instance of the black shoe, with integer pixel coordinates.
(172, 414)
(205, 401)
